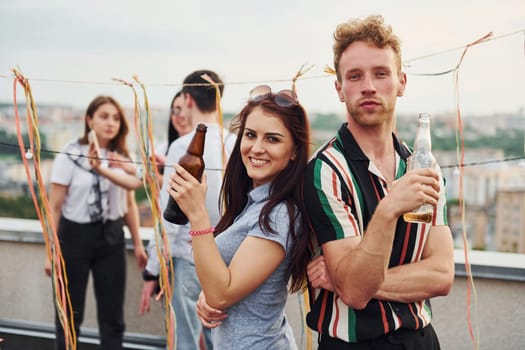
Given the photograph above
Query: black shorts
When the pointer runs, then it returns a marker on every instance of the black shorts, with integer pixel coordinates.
(421, 339)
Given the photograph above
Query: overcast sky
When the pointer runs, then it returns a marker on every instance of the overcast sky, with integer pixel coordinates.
(251, 42)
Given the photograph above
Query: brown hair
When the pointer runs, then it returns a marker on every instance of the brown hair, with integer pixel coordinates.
(371, 30)
(118, 143)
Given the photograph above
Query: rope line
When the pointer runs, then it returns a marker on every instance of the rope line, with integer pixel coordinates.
(485, 38)
(464, 165)
(407, 62)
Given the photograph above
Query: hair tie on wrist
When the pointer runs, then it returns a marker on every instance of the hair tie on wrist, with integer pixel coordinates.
(202, 232)
(146, 276)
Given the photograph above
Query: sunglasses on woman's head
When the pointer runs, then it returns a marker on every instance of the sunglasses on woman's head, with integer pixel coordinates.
(284, 98)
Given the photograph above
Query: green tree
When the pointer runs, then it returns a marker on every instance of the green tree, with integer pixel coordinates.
(21, 207)
(9, 145)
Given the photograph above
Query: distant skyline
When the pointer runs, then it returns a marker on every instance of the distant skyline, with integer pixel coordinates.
(71, 50)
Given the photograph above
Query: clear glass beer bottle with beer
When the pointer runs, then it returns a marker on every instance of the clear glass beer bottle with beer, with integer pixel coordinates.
(193, 162)
(422, 157)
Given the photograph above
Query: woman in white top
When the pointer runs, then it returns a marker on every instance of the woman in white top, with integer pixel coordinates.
(91, 198)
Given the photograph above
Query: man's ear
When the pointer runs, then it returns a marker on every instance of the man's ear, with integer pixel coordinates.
(402, 85)
(339, 90)
(188, 100)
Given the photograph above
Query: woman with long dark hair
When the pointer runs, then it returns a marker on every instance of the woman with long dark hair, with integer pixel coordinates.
(262, 235)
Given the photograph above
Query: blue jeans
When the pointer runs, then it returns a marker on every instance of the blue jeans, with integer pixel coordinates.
(186, 291)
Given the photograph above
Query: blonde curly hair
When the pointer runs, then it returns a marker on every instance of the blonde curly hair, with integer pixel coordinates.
(372, 30)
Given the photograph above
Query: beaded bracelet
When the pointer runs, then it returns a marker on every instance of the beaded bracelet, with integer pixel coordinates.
(202, 232)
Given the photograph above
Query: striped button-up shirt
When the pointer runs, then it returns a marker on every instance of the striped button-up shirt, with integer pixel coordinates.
(342, 189)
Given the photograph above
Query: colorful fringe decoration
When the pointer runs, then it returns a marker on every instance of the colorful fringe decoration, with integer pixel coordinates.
(460, 151)
(220, 120)
(144, 132)
(41, 202)
(302, 71)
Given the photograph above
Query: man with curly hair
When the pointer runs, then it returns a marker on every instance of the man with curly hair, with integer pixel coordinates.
(372, 283)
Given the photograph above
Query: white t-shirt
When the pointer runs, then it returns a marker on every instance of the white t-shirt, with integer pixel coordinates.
(162, 149)
(178, 234)
(89, 196)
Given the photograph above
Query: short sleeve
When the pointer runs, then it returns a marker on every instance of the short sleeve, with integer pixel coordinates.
(279, 222)
(62, 171)
(329, 203)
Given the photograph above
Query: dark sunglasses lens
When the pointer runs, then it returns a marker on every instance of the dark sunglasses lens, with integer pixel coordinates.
(289, 93)
(284, 99)
(260, 92)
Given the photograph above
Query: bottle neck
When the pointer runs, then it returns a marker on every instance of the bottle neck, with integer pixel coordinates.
(196, 146)
(423, 142)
